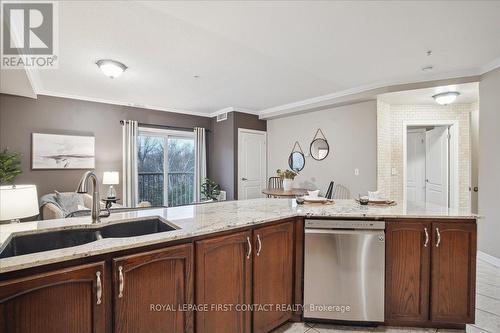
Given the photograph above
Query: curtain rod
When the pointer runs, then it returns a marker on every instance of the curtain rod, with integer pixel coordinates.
(175, 128)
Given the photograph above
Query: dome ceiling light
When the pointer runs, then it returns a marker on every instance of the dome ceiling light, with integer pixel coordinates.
(111, 68)
(446, 97)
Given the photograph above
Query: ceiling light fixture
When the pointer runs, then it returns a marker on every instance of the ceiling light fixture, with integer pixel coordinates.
(446, 97)
(111, 68)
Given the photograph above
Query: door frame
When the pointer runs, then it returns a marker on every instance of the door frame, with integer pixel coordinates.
(240, 132)
(419, 131)
(453, 183)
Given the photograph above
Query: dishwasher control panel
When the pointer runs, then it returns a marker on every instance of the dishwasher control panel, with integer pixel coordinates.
(344, 224)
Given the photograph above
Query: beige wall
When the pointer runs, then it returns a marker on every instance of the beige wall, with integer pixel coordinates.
(489, 166)
(21, 116)
(351, 134)
(390, 144)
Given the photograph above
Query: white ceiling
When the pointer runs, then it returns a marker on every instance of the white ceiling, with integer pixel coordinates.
(469, 93)
(261, 56)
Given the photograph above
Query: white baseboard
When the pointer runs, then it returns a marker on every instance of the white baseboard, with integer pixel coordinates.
(488, 258)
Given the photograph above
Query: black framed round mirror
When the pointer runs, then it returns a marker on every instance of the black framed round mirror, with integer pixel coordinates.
(319, 149)
(296, 161)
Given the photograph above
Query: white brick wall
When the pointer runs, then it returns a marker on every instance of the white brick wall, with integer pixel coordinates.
(390, 120)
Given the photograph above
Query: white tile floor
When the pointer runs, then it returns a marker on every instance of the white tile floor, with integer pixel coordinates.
(487, 311)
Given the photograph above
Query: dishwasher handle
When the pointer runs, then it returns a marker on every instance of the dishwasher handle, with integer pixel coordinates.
(344, 231)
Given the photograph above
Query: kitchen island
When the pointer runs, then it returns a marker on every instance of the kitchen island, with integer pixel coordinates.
(238, 252)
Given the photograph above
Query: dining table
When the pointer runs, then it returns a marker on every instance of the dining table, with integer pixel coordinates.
(281, 193)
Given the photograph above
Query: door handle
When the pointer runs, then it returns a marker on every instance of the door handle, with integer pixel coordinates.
(121, 278)
(259, 243)
(426, 237)
(98, 287)
(244, 179)
(249, 248)
(439, 237)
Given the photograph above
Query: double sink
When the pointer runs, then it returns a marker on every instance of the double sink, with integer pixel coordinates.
(59, 239)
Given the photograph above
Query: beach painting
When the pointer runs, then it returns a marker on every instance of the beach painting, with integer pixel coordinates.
(53, 151)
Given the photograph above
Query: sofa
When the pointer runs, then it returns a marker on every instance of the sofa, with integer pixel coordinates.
(60, 205)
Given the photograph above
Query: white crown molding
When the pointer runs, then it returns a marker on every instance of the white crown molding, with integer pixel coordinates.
(113, 102)
(490, 66)
(488, 258)
(325, 100)
(232, 109)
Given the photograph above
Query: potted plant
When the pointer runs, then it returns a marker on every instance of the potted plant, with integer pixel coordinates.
(210, 190)
(287, 176)
(10, 166)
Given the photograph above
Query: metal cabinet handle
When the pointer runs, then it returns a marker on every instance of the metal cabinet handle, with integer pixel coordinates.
(259, 243)
(426, 237)
(121, 278)
(439, 237)
(99, 288)
(249, 248)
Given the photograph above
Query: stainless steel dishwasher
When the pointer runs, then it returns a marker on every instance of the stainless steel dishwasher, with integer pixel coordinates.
(344, 270)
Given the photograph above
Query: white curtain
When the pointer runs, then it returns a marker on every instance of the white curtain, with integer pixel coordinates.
(200, 161)
(130, 132)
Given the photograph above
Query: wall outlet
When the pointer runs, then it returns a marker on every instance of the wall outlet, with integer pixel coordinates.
(356, 172)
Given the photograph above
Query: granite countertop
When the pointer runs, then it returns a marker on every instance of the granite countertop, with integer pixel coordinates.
(198, 220)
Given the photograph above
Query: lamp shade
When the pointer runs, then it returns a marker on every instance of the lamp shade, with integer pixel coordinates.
(111, 178)
(17, 202)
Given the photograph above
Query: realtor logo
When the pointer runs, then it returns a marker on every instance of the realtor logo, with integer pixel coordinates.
(29, 36)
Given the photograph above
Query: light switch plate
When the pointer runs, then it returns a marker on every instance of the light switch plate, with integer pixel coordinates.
(356, 172)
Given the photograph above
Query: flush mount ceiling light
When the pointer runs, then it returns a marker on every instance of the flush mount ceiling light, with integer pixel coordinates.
(111, 68)
(446, 97)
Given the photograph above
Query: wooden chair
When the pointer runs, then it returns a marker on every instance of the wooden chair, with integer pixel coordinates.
(274, 182)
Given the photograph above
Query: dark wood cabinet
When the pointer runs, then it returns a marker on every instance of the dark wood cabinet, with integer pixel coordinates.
(152, 291)
(273, 275)
(453, 272)
(223, 283)
(407, 270)
(430, 272)
(61, 301)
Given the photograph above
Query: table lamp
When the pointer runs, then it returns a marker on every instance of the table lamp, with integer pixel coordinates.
(111, 178)
(17, 202)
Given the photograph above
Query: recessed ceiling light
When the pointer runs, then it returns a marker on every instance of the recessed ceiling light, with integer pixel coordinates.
(446, 97)
(428, 68)
(111, 68)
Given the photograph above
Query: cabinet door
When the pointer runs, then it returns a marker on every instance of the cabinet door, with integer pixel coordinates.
(453, 272)
(62, 301)
(223, 283)
(272, 275)
(151, 289)
(407, 271)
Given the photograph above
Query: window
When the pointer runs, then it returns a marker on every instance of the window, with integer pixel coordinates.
(165, 165)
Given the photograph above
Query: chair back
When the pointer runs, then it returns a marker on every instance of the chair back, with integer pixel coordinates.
(275, 182)
(329, 192)
(341, 192)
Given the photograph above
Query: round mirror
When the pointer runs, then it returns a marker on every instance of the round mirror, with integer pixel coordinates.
(296, 161)
(319, 149)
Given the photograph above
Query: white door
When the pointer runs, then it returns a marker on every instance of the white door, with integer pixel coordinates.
(436, 191)
(415, 174)
(252, 163)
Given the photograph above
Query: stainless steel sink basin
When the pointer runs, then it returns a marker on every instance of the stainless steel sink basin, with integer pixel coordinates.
(135, 228)
(47, 241)
(52, 240)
